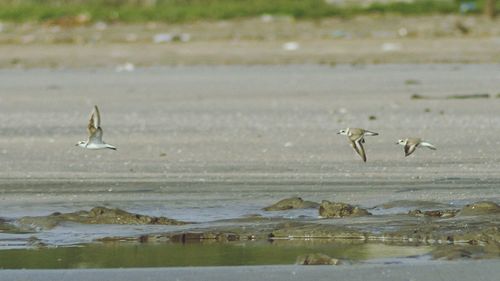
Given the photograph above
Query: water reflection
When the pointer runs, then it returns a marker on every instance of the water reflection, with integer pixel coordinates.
(113, 255)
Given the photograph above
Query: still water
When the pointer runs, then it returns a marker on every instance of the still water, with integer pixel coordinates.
(123, 255)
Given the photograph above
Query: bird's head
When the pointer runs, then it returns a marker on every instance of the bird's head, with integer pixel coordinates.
(80, 143)
(342, 132)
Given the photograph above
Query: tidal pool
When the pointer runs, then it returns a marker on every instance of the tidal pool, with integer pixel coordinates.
(123, 255)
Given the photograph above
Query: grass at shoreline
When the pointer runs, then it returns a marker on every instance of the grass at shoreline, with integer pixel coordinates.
(192, 10)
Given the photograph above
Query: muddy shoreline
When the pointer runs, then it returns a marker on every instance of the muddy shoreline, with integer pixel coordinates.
(469, 233)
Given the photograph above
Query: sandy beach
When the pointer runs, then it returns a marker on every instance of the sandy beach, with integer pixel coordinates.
(204, 144)
(266, 132)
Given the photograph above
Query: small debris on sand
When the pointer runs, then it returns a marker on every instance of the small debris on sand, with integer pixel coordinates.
(412, 82)
(451, 97)
(291, 46)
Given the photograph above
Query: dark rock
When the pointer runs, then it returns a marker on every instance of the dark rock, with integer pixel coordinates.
(329, 209)
(317, 259)
(291, 203)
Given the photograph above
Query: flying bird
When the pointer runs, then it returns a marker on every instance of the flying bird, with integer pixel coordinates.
(410, 144)
(356, 138)
(94, 129)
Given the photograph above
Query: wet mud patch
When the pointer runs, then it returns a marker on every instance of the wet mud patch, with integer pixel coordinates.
(9, 227)
(471, 232)
(317, 259)
(329, 209)
(442, 227)
(291, 203)
(97, 215)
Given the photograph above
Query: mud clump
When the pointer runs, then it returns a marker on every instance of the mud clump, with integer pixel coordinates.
(329, 209)
(480, 208)
(317, 259)
(4, 226)
(291, 203)
(97, 215)
(198, 236)
(433, 213)
(7, 227)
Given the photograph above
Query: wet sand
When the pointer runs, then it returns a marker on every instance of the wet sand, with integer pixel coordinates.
(476, 270)
(209, 143)
(217, 127)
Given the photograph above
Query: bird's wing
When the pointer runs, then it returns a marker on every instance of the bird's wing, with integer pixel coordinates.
(355, 136)
(358, 147)
(96, 137)
(94, 122)
(409, 148)
(426, 144)
(368, 133)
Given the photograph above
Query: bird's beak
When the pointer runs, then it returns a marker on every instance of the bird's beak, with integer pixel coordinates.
(338, 133)
(76, 144)
(397, 143)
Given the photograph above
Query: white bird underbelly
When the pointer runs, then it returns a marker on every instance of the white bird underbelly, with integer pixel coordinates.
(96, 146)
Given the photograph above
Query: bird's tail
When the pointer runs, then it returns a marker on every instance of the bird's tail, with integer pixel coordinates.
(368, 133)
(426, 144)
(110, 147)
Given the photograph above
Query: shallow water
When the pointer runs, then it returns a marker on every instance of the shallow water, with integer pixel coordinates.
(199, 254)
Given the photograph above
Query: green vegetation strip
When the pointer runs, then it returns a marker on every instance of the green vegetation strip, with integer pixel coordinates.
(191, 10)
